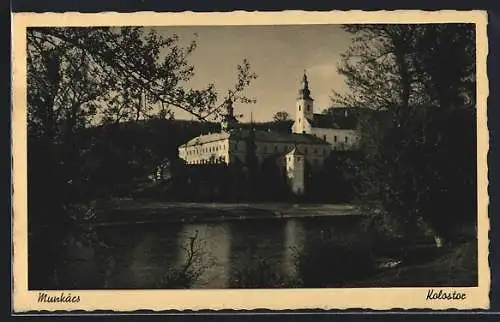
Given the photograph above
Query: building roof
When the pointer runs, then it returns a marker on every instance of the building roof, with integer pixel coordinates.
(206, 138)
(344, 118)
(260, 136)
(264, 136)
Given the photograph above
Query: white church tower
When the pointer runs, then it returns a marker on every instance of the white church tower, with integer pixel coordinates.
(295, 171)
(304, 110)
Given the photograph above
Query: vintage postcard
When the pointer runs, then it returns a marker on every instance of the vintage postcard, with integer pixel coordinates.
(277, 160)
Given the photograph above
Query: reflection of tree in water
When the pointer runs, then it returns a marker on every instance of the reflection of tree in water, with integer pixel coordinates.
(137, 254)
(256, 254)
(334, 254)
(196, 259)
(124, 257)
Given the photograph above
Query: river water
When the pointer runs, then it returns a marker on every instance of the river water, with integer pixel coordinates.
(141, 255)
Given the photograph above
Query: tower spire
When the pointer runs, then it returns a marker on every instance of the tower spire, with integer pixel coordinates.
(304, 91)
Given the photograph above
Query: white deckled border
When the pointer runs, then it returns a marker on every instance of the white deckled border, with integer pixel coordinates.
(159, 300)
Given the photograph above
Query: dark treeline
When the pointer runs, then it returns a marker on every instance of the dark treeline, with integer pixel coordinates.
(140, 160)
(416, 169)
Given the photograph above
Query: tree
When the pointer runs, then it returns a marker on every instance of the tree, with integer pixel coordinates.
(281, 116)
(422, 79)
(82, 77)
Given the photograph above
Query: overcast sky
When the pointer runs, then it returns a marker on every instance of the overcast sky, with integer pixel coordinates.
(277, 54)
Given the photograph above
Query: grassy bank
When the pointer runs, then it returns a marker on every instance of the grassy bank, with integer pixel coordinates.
(455, 265)
(348, 266)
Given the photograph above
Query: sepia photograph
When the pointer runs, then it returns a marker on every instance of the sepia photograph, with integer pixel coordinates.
(287, 156)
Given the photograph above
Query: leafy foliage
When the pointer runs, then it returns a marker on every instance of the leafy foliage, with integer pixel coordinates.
(281, 116)
(416, 150)
(79, 78)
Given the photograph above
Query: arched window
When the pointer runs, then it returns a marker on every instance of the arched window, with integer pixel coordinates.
(345, 139)
(335, 138)
(299, 108)
(324, 137)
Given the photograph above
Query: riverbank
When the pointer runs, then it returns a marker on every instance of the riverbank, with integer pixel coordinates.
(453, 266)
(125, 211)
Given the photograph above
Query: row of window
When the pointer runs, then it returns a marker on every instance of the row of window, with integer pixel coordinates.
(346, 138)
(286, 148)
(211, 149)
(335, 139)
(265, 149)
(209, 161)
(222, 159)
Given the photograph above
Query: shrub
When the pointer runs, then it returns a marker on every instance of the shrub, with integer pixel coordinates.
(259, 274)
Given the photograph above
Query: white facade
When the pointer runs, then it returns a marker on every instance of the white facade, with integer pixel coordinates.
(339, 139)
(227, 148)
(294, 162)
(205, 151)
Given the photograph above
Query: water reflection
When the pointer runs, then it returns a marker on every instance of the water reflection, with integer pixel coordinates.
(255, 250)
(210, 242)
(294, 240)
(139, 256)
